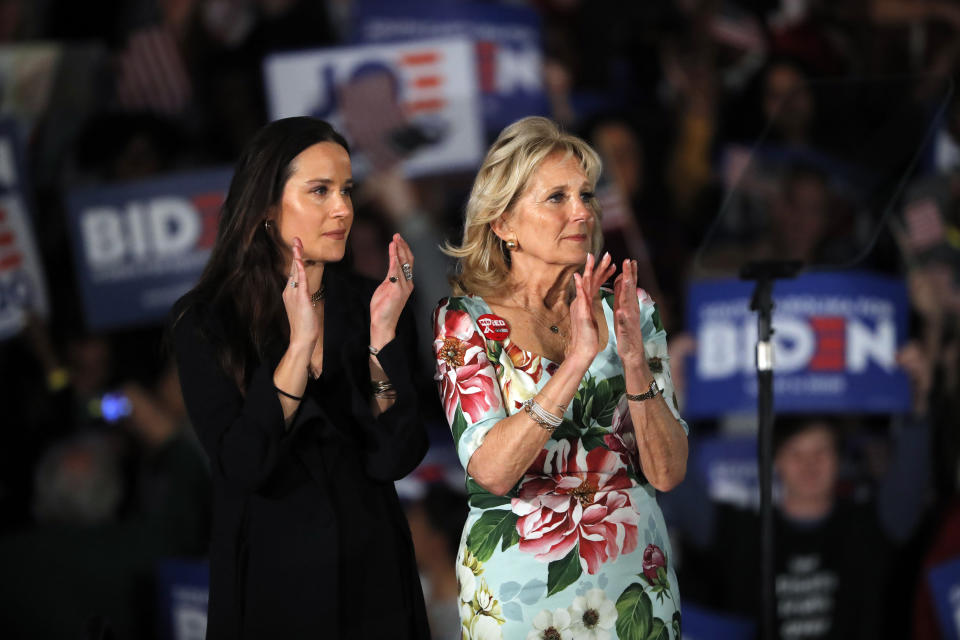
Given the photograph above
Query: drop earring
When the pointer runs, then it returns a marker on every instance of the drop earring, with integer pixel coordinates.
(266, 225)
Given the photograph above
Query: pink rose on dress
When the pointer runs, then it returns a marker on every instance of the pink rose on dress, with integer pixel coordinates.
(623, 438)
(572, 496)
(653, 559)
(463, 370)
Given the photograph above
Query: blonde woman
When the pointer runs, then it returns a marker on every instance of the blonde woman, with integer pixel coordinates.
(559, 397)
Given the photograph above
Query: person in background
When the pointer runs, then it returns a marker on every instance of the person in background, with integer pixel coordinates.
(436, 521)
(833, 554)
(297, 380)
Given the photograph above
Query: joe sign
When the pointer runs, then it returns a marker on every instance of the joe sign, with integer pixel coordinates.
(835, 344)
(427, 89)
(139, 246)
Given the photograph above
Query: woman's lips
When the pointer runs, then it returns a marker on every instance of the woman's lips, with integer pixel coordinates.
(578, 238)
(335, 235)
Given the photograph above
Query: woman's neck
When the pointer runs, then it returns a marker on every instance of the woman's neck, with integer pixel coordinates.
(541, 287)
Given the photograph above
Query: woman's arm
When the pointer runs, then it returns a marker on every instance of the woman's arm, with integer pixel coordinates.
(395, 440)
(241, 434)
(661, 437)
(503, 449)
(513, 443)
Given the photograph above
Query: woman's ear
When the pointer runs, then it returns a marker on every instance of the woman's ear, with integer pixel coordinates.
(501, 228)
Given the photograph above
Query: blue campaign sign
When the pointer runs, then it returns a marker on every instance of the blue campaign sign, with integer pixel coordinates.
(728, 466)
(944, 582)
(835, 344)
(183, 588)
(139, 246)
(507, 41)
(704, 624)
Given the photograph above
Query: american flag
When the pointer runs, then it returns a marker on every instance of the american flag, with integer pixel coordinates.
(152, 75)
(925, 228)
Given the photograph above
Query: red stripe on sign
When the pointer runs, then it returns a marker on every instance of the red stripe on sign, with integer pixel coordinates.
(831, 353)
(12, 261)
(6, 238)
(487, 63)
(433, 104)
(208, 204)
(832, 343)
(425, 57)
(828, 323)
(425, 82)
(825, 362)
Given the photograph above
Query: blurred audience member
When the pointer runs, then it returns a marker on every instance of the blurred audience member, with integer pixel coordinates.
(436, 521)
(84, 564)
(834, 555)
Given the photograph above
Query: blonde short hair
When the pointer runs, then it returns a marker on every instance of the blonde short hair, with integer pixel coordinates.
(483, 262)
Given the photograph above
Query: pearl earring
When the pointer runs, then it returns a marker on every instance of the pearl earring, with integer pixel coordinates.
(511, 245)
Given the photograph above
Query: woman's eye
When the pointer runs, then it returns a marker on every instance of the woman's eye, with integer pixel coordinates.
(321, 190)
(587, 196)
(557, 197)
(347, 191)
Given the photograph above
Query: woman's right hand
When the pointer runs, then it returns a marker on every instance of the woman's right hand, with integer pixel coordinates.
(304, 321)
(584, 330)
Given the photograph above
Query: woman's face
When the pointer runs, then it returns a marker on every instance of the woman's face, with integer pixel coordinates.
(316, 205)
(552, 221)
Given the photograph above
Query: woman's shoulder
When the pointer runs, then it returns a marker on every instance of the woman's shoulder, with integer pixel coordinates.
(475, 306)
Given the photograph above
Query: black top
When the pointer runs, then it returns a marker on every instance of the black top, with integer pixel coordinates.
(308, 536)
(830, 574)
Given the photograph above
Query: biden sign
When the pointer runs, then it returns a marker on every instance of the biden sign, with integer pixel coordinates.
(835, 342)
(141, 245)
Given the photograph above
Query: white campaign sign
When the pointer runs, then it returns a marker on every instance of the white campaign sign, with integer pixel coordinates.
(435, 87)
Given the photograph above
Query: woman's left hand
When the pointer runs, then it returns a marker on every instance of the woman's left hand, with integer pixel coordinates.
(390, 297)
(626, 314)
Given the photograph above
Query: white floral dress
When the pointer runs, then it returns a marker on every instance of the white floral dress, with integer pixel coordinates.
(578, 548)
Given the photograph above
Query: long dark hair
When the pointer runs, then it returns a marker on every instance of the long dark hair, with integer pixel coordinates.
(242, 283)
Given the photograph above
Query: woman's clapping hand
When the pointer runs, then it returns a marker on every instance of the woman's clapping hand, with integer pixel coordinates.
(584, 330)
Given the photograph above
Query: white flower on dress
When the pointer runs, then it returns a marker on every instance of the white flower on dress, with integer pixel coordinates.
(517, 384)
(484, 604)
(549, 625)
(468, 583)
(592, 616)
(482, 628)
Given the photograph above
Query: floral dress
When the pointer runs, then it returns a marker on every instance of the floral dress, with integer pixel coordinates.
(578, 548)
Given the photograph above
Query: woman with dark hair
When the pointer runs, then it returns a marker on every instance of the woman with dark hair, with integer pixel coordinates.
(296, 375)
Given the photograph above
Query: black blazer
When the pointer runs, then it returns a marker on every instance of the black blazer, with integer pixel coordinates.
(308, 536)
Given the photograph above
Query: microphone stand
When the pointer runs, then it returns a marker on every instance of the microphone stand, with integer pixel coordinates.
(765, 273)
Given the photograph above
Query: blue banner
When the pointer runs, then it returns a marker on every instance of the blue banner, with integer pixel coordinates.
(835, 344)
(728, 466)
(507, 41)
(183, 591)
(944, 581)
(704, 624)
(22, 284)
(139, 246)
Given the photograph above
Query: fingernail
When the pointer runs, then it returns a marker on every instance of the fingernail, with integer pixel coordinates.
(606, 255)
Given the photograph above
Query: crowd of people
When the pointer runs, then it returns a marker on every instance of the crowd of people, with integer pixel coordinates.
(746, 130)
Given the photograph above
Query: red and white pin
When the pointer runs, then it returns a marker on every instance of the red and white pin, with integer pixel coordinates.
(493, 327)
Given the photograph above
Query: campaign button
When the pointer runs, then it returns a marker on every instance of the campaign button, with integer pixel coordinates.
(493, 327)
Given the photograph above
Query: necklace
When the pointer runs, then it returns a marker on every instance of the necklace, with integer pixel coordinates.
(317, 295)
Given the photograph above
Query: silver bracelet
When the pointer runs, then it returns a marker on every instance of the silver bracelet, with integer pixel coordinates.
(541, 416)
(383, 389)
